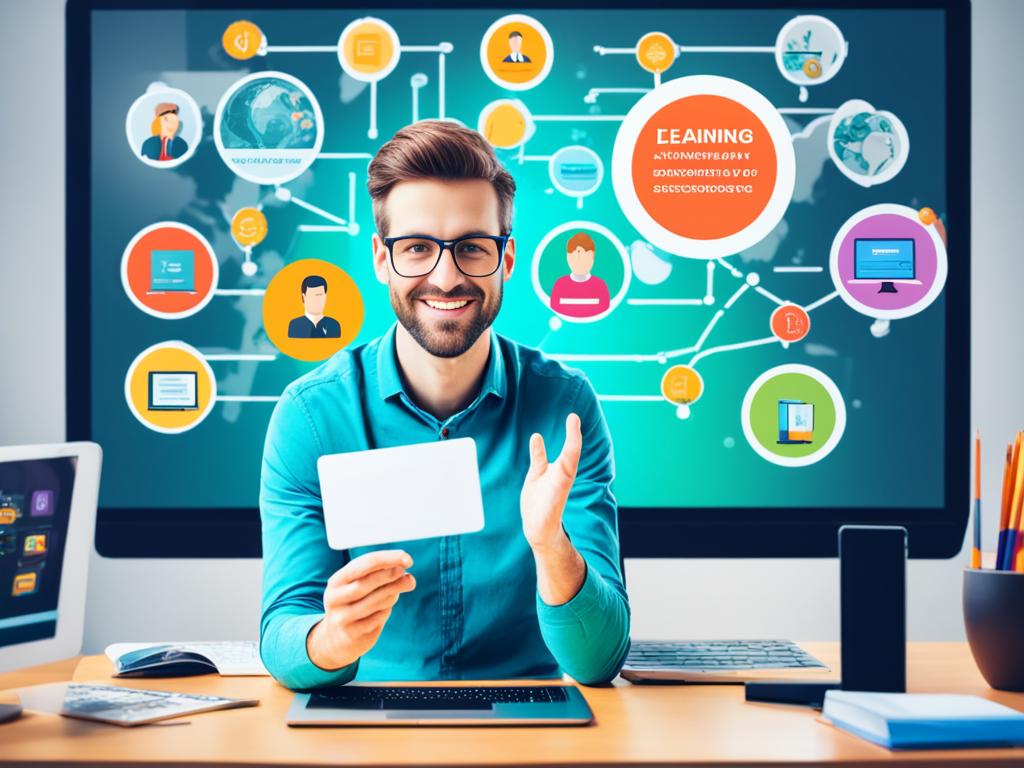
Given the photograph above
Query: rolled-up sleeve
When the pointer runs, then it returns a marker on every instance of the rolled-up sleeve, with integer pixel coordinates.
(297, 562)
(589, 634)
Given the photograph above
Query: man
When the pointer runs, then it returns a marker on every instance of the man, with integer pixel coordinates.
(580, 293)
(538, 591)
(515, 47)
(165, 144)
(314, 324)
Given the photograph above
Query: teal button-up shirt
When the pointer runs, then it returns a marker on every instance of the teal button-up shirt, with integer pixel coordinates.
(475, 612)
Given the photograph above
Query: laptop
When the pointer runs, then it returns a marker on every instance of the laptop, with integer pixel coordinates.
(172, 271)
(427, 704)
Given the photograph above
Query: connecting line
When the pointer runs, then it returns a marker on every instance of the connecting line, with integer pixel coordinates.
(302, 49)
(730, 347)
(631, 398)
(726, 48)
(822, 300)
(732, 270)
(573, 357)
(241, 357)
(571, 118)
(321, 228)
(739, 292)
(344, 156)
(806, 110)
(248, 398)
(769, 295)
(318, 211)
(532, 158)
(666, 302)
(798, 269)
(593, 93)
(239, 291)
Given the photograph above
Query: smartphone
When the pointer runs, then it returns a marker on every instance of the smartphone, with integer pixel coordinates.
(873, 612)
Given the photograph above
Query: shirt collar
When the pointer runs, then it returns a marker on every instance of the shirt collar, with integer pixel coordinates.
(390, 382)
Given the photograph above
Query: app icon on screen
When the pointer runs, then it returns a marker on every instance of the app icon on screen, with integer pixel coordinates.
(26, 583)
(42, 504)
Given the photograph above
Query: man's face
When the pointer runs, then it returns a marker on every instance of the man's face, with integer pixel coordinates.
(170, 123)
(515, 43)
(444, 311)
(580, 261)
(314, 299)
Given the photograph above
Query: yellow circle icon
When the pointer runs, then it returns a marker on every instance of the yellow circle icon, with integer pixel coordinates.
(242, 40)
(312, 309)
(812, 68)
(504, 124)
(681, 385)
(170, 387)
(656, 52)
(249, 226)
(368, 49)
(517, 52)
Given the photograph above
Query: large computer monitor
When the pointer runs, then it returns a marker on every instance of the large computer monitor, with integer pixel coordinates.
(48, 497)
(695, 185)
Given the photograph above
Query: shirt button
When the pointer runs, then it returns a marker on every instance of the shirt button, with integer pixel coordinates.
(444, 432)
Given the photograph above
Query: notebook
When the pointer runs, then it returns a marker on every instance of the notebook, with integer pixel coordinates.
(179, 659)
(924, 720)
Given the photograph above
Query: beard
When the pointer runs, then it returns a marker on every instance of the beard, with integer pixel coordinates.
(447, 338)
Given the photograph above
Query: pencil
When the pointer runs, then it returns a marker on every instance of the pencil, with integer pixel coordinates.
(1015, 509)
(976, 549)
(1004, 509)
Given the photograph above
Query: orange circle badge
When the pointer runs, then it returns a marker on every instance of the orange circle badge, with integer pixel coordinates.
(312, 309)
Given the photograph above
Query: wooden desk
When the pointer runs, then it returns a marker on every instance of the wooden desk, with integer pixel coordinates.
(649, 725)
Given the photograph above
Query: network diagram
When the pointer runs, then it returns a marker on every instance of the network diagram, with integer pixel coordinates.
(703, 168)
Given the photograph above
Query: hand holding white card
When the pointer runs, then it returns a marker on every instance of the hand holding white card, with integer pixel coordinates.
(389, 495)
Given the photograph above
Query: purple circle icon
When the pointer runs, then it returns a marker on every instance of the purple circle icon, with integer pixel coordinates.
(886, 263)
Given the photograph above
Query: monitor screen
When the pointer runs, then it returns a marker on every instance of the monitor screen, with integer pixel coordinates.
(884, 259)
(35, 502)
(696, 188)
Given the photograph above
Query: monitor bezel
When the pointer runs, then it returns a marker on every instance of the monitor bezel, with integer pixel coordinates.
(714, 532)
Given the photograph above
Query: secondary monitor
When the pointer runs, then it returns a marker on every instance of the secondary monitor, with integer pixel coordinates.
(709, 197)
(48, 497)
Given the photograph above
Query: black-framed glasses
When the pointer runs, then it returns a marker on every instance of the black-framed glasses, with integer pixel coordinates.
(418, 255)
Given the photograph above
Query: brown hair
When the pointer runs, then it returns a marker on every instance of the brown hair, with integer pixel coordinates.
(441, 150)
(580, 239)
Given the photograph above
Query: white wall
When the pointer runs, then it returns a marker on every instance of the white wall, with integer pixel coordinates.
(135, 599)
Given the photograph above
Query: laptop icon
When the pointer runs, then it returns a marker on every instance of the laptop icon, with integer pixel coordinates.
(172, 272)
(173, 391)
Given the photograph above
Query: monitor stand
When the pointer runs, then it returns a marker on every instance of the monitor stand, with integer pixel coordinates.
(887, 286)
(9, 712)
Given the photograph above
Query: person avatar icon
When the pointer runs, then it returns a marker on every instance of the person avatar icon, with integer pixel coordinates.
(314, 324)
(165, 143)
(580, 293)
(515, 44)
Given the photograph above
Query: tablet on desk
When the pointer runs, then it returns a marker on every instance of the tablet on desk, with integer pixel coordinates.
(379, 496)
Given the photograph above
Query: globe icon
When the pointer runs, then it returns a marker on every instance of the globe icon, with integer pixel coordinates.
(866, 143)
(268, 113)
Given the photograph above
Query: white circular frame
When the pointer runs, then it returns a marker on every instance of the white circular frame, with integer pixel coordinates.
(189, 349)
(171, 93)
(292, 173)
(941, 263)
(369, 77)
(155, 312)
(780, 40)
(614, 301)
(553, 161)
(517, 18)
(699, 85)
(830, 443)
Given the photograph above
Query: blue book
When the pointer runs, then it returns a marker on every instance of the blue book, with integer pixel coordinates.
(924, 720)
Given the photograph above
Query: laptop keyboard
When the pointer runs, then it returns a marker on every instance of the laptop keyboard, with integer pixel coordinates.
(714, 655)
(432, 697)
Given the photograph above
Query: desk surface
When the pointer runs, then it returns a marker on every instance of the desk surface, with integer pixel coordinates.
(651, 725)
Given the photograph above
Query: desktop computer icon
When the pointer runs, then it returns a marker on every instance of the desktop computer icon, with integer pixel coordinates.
(796, 422)
(171, 272)
(173, 391)
(884, 261)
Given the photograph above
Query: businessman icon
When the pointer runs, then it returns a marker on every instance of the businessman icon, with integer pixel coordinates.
(314, 324)
(515, 45)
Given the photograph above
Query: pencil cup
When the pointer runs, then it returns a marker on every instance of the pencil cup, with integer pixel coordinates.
(994, 619)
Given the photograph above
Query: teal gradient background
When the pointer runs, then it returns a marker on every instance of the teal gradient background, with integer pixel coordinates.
(892, 451)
